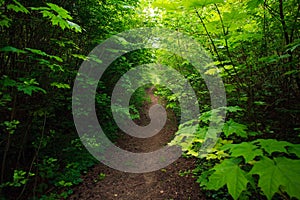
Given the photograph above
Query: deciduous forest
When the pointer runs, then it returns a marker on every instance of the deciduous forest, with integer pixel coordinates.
(254, 47)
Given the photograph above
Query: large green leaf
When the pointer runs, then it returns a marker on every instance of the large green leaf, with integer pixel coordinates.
(272, 145)
(231, 127)
(229, 173)
(280, 172)
(245, 149)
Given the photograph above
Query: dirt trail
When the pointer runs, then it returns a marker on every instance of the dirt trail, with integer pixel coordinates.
(164, 184)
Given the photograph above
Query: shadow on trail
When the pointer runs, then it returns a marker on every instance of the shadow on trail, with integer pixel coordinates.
(161, 184)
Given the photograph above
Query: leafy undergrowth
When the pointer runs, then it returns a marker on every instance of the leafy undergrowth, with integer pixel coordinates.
(53, 178)
(245, 169)
(254, 49)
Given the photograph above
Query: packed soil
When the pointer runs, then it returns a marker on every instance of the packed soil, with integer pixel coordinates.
(164, 184)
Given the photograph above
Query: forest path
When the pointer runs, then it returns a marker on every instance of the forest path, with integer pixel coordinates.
(164, 184)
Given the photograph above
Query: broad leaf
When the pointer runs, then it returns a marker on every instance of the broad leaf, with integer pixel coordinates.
(247, 150)
(229, 173)
(60, 18)
(272, 145)
(280, 172)
(231, 127)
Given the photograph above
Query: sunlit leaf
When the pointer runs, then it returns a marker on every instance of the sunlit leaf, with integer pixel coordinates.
(230, 174)
(60, 11)
(247, 150)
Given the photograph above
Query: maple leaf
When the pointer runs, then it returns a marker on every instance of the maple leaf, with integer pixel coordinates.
(272, 145)
(280, 172)
(228, 172)
(231, 127)
(247, 150)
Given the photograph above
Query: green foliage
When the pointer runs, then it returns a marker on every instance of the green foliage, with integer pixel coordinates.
(60, 85)
(42, 46)
(234, 165)
(254, 45)
(41, 53)
(101, 176)
(11, 126)
(58, 16)
(19, 178)
(295, 148)
(272, 145)
(278, 174)
(245, 149)
(195, 3)
(29, 86)
(229, 173)
(5, 21)
(232, 127)
(17, 7)
(12, 49)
